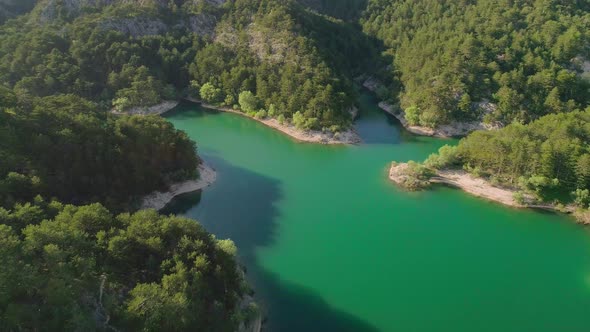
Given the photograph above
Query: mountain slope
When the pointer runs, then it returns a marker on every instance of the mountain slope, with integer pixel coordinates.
(139, 52)
(526, 56)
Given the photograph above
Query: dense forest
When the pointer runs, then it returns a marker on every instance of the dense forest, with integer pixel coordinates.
(524, 56)
(66, 147)
(77, 265)
(80, 268)
(76, 255)
(138, 53)
(548, 159)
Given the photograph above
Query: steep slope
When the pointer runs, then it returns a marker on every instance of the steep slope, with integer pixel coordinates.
(525, 56)
(297, 64)
(12, 8)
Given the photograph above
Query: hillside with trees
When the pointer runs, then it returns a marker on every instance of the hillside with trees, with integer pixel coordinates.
(66, 147)
(139, 53)
(80, 268)
(526, 57)
(547, 159)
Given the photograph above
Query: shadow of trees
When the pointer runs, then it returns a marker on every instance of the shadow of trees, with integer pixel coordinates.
(241, 205)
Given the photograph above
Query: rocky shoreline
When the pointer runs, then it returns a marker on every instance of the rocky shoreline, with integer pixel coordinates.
(453, 129)
(477, 187)
(312, 136)
(158, 200)
(157, 109)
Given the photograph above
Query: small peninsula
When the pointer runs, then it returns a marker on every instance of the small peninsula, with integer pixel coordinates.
(519, 165)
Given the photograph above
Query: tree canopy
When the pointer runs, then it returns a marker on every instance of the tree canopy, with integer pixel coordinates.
(73, 268)
(525, 56)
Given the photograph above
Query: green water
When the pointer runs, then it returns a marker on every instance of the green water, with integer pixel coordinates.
(330, 245)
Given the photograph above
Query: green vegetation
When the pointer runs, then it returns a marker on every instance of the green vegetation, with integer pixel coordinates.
(12, 8)
(412, 175)
(140, 53)
(67, 147)
(524, 56)
(548, 158)
(79, 268)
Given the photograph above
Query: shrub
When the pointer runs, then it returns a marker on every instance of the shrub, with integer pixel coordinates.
(299, 120)
(248, 102)
(446, 157)
(272, 110)
(582, 197)
(261, 114)
(210, 93)
(413, 115)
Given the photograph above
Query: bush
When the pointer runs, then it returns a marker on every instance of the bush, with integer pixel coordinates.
(210, 93)
(230, 100)
(260, 114)
(446, 157)
(122, 104)
(281, 119)
(299, 120)
(413, 115)
(519, 198)
(272, 110)
(413, 175)
(582, 197)
(248, 102)
(311, 123)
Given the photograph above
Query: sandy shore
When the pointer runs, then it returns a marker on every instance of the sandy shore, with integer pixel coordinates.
(478, 187)
(158, 109)
(158, 200)
(311, 136)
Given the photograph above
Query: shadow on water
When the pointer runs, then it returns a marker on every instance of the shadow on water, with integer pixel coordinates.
(241, 205)
(375, 126)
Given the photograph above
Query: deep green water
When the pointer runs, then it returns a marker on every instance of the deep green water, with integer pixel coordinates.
(331, 245)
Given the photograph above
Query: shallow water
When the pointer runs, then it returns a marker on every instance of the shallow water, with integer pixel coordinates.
(331, 245)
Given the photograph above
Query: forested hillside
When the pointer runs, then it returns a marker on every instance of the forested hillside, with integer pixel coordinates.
(67, 147)
(12, 8)
(79, 267)
(525, 56)
(138, 53)
(548, 159)
(69, 268)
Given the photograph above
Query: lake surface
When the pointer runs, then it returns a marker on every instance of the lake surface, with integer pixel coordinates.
(331, 245)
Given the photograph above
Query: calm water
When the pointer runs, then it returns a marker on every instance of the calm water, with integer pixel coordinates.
(330, 245)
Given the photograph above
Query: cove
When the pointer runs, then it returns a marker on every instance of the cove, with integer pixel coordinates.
(330, 244)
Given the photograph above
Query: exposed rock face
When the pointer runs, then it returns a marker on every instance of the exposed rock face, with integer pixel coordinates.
(50, 9)
(136, 26)
(453, 129)
(202, 24)
(158, 109)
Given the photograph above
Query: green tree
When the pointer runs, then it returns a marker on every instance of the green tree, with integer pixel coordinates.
(210, 93)
(248, 102)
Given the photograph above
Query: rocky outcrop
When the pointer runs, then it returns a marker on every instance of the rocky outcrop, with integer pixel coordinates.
(158, 109)
(136, 26)
(202, 24)
(453, 129)
(158, 200)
